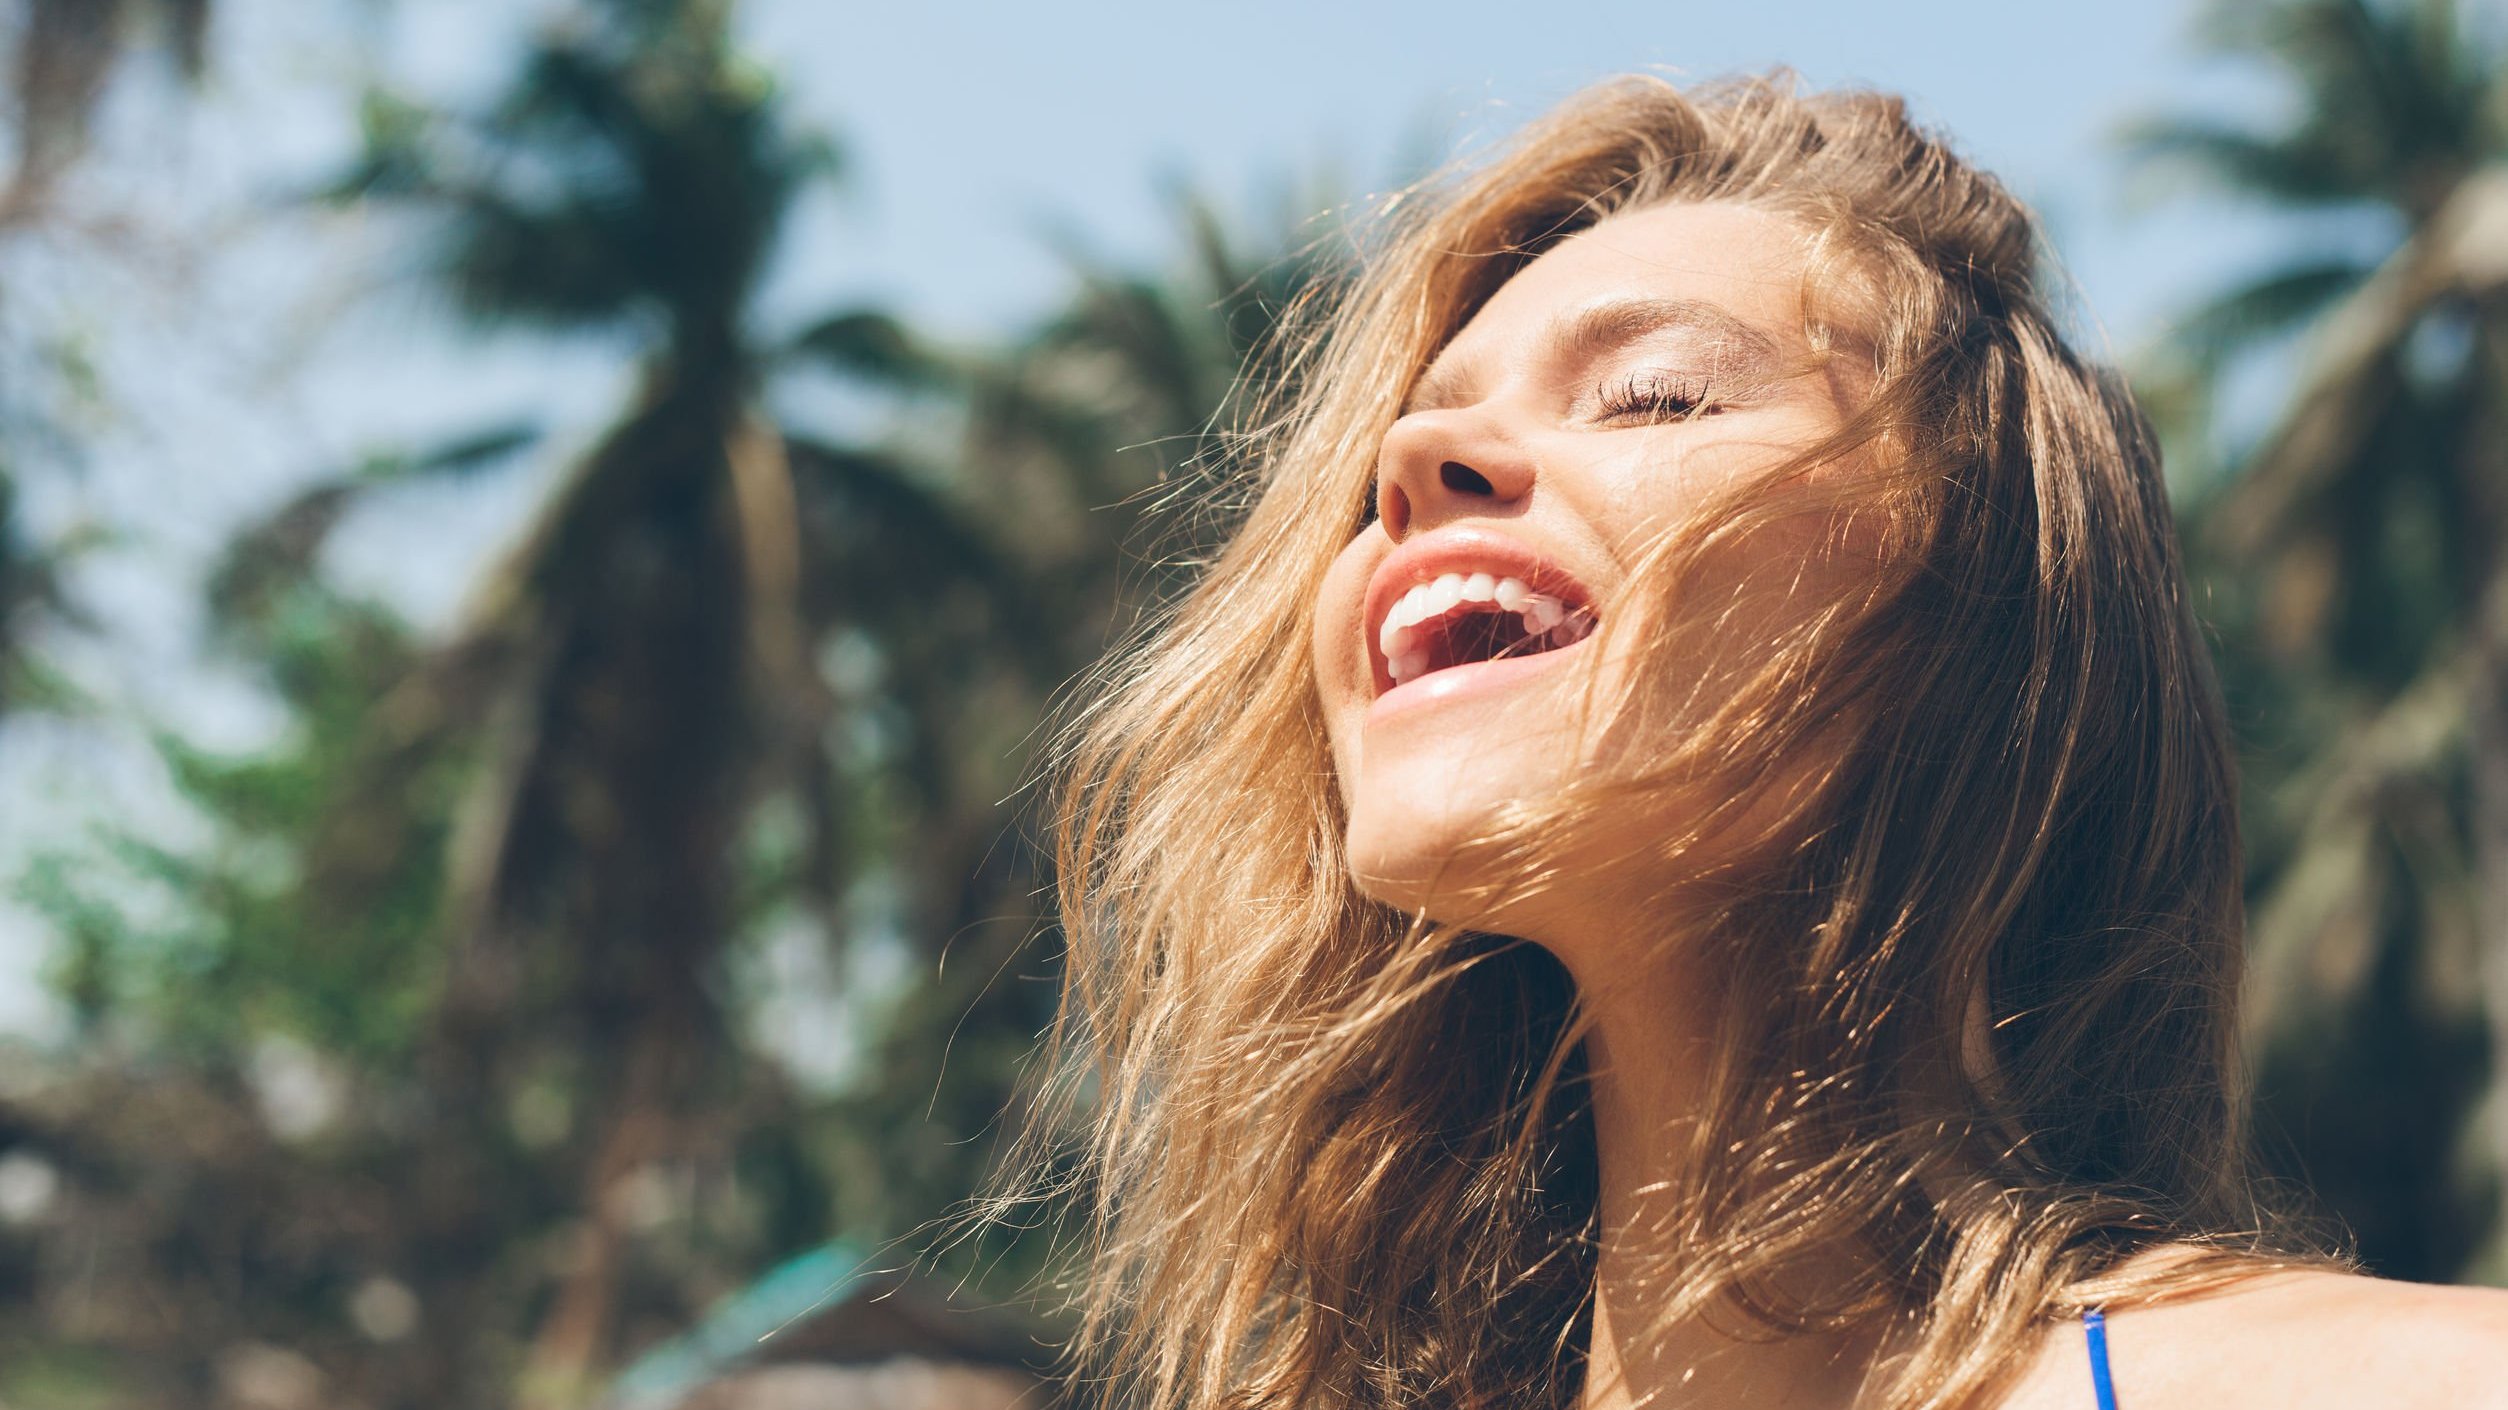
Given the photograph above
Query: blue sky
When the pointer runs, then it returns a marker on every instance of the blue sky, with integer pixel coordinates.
(974, 127)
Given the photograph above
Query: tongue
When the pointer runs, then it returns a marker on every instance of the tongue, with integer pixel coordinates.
(1467, 637)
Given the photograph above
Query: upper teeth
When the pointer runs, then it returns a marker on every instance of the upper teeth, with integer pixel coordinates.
(1432, 600)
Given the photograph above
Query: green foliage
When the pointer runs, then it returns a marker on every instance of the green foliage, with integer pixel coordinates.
(627, 175)
(734, 682)
(228, 945)
(2396, 103)
(2346, 559)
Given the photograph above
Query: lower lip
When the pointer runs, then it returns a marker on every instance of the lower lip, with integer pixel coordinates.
(1478, 678)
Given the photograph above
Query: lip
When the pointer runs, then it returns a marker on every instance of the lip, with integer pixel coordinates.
(1462, 548)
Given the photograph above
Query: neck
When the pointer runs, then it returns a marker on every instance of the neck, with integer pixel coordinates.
(1650, 1065)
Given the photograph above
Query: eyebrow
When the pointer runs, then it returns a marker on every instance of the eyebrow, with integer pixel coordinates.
(1602, 327)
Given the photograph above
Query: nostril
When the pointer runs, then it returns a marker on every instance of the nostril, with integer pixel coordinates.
(1396, 511)
(1463, 479)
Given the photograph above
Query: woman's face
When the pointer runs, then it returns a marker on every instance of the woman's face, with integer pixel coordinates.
(1597, 396)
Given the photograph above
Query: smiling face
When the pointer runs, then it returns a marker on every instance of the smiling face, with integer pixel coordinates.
(1599, 396)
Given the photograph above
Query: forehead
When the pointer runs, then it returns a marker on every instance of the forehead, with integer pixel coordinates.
(1719, 257)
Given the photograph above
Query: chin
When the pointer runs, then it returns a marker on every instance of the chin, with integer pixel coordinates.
(1413, 824)
(1421, 821)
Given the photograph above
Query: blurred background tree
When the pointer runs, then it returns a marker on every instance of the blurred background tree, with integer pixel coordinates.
(2351, 554)
(441, 1037)
(442, 1067)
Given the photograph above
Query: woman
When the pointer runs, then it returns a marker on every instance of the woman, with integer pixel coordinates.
(1685, 852)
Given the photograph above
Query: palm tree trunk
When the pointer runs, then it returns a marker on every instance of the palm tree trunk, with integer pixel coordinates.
(573, 1343)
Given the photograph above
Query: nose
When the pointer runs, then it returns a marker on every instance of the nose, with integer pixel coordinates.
(1437, 466)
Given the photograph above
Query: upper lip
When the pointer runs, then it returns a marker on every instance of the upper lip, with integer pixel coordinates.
(1460, 548)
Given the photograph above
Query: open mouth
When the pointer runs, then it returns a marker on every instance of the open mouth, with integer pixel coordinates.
(1461, 619)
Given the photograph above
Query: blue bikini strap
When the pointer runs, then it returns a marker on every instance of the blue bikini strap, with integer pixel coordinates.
(2094, 1326)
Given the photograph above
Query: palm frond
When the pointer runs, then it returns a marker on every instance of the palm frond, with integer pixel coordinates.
(977, 595)
(2272, 307)
(611, 181)
(875, 495)
(866, 344)
(2324, 894)
(2357, 368)
(396, 156)
(462, 457)
(278, 552)
(2291, 169)
(2392, 104)
(566, 264)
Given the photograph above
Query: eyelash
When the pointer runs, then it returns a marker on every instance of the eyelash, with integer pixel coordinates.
(1656, 398)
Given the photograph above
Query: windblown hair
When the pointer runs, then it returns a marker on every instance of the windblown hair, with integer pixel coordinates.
(1977, 987)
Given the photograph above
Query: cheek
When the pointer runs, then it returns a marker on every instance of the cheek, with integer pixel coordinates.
(1341, 667)
(1766, 548)
(1704, 624)
(1664, 489)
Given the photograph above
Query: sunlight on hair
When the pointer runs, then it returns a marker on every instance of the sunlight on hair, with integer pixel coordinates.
(1320, 1151)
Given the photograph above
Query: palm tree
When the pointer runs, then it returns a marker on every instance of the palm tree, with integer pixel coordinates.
(2361, 541)
(638, 676)
(982, 588)
(1108, 442)
(729, 664)
(1114, 437)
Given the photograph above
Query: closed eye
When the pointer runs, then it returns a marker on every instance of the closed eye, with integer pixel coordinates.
(1653, 397)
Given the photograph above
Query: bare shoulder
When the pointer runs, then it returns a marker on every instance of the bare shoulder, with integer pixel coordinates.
(2301, 1341)
(2346, 1339)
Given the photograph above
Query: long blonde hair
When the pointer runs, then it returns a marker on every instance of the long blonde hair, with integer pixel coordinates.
(1332, 1154)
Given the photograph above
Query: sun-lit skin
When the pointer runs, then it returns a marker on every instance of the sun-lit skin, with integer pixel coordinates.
(1512, 434)
(1529, 426)
(1693, 372)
